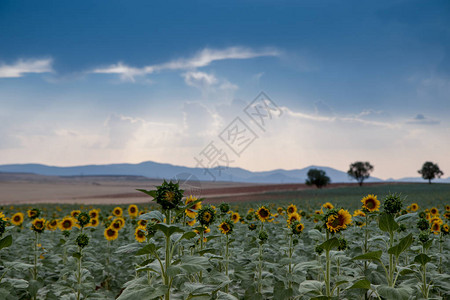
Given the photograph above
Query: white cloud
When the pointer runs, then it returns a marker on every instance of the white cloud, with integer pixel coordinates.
(420, 119)
(200, 80)
(201, 59)
(22, 67)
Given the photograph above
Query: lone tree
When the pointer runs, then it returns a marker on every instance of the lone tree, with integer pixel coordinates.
(430, 171)
(360, 171)
(318, 178)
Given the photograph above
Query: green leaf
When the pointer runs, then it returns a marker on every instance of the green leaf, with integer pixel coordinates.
(147, 249)
(187, 236)
(143, 292)
(6, 242)
(150, 193)
(129, 248)
(77, 255)
(153, 215)
(422, 259)
(361, 284)
(403, 245)
(330, 244)
(375, 255)
(310, 286)
(168, 230)
(387, 223)
(393, 293)
(406, 217)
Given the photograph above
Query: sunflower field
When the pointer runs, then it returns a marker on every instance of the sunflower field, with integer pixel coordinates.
(179, 247)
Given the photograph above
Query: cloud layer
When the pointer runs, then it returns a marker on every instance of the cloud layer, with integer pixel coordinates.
(22, 67)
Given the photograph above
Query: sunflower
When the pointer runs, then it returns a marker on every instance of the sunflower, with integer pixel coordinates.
(93, 213)
(414, 207)
(206, 215)
(191, 222)
(445, 229)
(328, 205)
(52, 225)
(117, 224)
(297, 227)
(38, 225)
(318, 212)
(75, 213)
(447, 207)
(140, 234)
(142, 223)
(371, 203)
(17, 219)
(226, 227)
(436, 220)
(447, 215)
(295, 217)
(190, 211)
(434, 211)
(336, 221)
(359, 213)
(110, 234)
(280, 211)
(263, 213)
(3, 217)
(235, 217)
(250, 210)
(66, 224)
(436, 228)
(33, 213)
(94, 222)
(291, 209)
(117, 212)
(133, 211)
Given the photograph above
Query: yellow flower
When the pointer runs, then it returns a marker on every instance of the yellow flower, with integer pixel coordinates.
(328, 205)
(139, 234)
(280, 211)
(142, 223)
(118, 223)
(32, 213)
(17, 219)
(3, 217)
(447, 207)
(66, 224)
(110, 234)
(38, 225)
(436, 228)
(318, 212)
(117, 212)
(291, 209)
(235, 217)
(263, 213)
(436, 220)
(339, 221)
(191, 222)
(414, 207)
(133, 211)
(359, 213)
(224, 227)
(190, 211)
(93, 213)
(75, 213)
(434, 211)
(94, 222)
(52, 225)
(371, 203)
(294, 217)
(298, 228)
(445, 228)
(250, 210)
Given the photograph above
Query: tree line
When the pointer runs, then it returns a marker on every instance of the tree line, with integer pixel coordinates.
(360, 171)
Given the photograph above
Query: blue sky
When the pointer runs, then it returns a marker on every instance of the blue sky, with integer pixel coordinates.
(103, 82)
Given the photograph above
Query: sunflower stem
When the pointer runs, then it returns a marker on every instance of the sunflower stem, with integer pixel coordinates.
(79, 274)
(260, 269)
(290, 260)
(226, 261)
(391, 261)
(328, 271)
(167, 278)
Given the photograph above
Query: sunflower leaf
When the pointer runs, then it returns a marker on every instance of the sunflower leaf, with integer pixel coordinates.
(403, 245)
(387, 223)
(330, 244)
(168, 230)
(6, 242)
(153, 215)
(375, 255)
(422, 259)
(361, 284)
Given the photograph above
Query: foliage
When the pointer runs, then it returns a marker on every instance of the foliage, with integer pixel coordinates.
(430, 171)
(360, 171)
(318, 178)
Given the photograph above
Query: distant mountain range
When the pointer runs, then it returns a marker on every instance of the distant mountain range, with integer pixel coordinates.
(167, 171)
